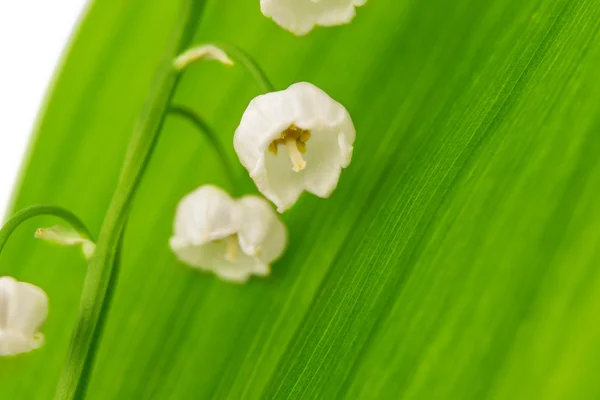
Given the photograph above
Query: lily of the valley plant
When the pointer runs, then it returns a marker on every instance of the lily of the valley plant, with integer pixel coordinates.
(289, 141)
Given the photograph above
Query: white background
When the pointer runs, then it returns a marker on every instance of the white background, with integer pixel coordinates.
(33, 34)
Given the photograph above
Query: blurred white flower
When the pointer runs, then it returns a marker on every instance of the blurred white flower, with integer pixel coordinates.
(301, 16)
(232, 238)
(294, 140)
(23, 310)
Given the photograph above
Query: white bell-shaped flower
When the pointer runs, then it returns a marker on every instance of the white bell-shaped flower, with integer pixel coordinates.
(23, 310)
(301, 16)
(232, 238)
(294, 140)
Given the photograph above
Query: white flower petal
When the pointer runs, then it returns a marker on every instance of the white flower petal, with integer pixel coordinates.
(23, 310)
(32, 309)
(324, 166)
(205, 215)
(277, 181)
(242, 270)
(328, 150)
(12, 343)
(301, 16)
(261, 233)
(200, 256)
(211, 257)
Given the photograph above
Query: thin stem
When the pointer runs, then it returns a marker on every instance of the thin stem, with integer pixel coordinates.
(116, 266)
(210, 134)
(34, 211)
(102, 270)
(247, 61)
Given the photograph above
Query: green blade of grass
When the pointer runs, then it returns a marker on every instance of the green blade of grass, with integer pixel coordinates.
(457, 259)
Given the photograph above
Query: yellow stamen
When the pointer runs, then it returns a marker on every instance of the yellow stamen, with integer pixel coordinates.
(294, 138)
(301, 146)
(298, 163)
(232, 245)
(273, 147)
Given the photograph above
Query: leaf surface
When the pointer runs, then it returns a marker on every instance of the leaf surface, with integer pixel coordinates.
(458, 257)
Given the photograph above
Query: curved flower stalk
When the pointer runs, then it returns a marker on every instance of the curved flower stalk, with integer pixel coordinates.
(23, 310)
(301, 16)
(232, 238)
(204, 128)
(228, 55)
(294, 140)
(76, 234)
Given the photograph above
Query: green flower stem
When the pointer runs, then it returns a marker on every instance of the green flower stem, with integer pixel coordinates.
(34, 211)
(210, 134)
(239, 56)
(102, 271)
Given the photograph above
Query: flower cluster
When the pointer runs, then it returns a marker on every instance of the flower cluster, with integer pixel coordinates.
(290, 141)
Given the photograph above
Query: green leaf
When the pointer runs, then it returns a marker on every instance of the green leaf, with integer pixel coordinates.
(458, 259)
